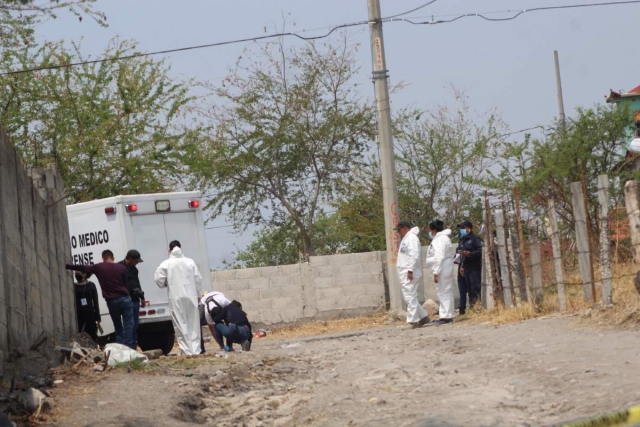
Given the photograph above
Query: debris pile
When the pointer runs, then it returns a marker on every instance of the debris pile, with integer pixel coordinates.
(31, 379)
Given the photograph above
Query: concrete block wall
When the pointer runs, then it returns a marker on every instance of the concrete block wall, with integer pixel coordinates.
(337, 285)
(36, 295)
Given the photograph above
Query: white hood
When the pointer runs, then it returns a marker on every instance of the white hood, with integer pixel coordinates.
(443, 233)
(409, 253)
(438, 260)
(177, 252)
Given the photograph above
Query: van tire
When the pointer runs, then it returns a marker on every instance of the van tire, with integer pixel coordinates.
(163, 340)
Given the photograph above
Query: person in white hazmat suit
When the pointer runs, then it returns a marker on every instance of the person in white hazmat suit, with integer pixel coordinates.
(183, 281)
(409, 266)
(440, 262)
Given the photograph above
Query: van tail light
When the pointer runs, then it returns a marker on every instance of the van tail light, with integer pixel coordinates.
(194, 204)
(110, 210)
(151, 312)
(143, 312)
(132, 208)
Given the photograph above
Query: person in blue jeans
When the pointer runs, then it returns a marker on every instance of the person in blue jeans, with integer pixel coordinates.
(135, 290)
(232, 324)
(112, 278)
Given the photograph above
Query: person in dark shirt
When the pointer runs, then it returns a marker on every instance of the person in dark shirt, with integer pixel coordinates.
(113, 278)
(470, 249)
(232, 324)
(135, 290)
(87, 306)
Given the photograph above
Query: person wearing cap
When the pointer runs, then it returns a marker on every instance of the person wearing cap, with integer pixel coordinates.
(470, 268)
(409, 266)
(181, 277)
(135, 290)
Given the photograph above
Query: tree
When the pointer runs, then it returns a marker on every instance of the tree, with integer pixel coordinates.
(443, 155)
(279, 245)
(19, 17)
(110, 128)
(544, 168)
(286, 128)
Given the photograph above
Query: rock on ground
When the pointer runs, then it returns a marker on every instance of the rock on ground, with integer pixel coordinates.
(32, 399)
(431, 307)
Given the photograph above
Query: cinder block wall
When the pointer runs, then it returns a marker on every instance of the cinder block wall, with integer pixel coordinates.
(36, 295)
(328, 286)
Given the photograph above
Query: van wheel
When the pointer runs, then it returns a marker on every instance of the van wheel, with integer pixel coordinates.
(157, 340)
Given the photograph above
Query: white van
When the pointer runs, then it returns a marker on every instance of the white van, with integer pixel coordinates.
(146, 222)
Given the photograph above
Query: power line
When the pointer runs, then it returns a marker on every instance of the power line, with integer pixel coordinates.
(298, 35)
(409, 11)
(182, 49)
(516, 15)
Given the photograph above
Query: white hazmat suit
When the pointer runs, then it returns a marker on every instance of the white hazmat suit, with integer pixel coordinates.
(409, 260)
(441, 264)
(181, 277)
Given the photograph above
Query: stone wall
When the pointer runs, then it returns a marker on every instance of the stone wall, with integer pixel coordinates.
(328, 286)
(36, 295)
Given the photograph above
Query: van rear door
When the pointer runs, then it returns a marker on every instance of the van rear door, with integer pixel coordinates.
(181, 226)
(150, 238)
(152, 234)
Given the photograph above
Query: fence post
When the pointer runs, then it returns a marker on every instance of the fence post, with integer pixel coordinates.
(633, 214)
(510, 265)
(536, 262)
(504, 258)
(605, 240)
(487, 296)
(493, 255)
(582, 239)
(517, 255)
(557, 255)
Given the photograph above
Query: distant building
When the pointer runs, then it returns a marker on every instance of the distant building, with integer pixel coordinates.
(631, 100)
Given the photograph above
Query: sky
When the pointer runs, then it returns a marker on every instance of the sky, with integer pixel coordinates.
(504, 65)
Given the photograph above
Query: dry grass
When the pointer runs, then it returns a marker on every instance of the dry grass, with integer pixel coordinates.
(625, 310)
(378, 319)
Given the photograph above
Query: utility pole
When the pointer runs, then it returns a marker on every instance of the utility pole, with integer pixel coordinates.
(563, 119)
(385, 141)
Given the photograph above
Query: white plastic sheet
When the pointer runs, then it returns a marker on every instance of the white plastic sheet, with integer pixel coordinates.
(119, 353)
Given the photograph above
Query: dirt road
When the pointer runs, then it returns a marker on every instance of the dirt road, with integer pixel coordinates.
(534, 373)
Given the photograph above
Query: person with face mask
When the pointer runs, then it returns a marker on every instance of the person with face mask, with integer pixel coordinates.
(470, 269)
(440, 262)
(409, 268)
(87, 307)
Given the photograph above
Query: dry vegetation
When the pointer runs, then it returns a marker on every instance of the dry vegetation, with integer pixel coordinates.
(378, 319)
(625, 310)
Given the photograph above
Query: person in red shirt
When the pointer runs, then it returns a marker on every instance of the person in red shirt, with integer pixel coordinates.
(113, 283)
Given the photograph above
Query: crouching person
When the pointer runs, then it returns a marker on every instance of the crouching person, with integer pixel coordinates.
(231, 323)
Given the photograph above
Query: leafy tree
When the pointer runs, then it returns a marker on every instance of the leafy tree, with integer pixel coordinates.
(545, 168)
(19, 17)
(442, 156)
(279, 245)
(110, 128)
(287, 128)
